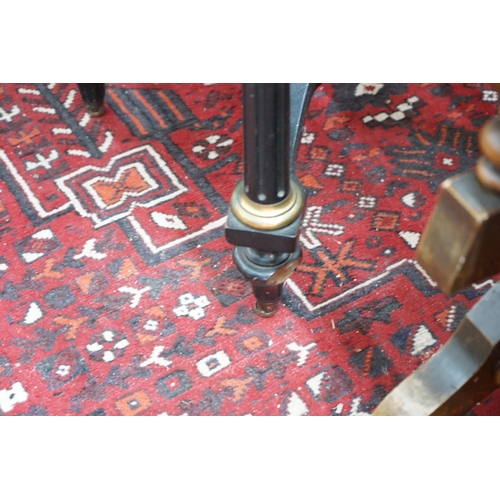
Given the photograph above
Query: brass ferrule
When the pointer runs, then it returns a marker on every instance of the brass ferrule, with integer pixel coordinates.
(267, 217)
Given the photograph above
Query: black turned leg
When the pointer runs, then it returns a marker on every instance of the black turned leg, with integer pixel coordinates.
(267, 206)
(93, 97)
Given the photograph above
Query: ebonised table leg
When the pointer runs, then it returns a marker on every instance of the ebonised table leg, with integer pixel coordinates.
(267, 206)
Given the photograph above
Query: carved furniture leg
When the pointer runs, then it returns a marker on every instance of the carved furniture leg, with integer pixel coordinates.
(267, 206)
(461, 373)
(93, 97)
(461, 246)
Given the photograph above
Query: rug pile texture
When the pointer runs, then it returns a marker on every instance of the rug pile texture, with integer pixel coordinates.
(118, 293)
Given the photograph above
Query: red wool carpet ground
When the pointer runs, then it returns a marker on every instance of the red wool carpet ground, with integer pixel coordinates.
(118, 295)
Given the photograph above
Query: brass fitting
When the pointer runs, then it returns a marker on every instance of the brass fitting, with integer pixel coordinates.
(267, 217)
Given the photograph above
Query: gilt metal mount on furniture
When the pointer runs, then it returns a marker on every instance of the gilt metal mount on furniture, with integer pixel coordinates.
(267, 206)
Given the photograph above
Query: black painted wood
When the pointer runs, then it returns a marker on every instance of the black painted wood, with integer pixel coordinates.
(93, 97)
(266, 129)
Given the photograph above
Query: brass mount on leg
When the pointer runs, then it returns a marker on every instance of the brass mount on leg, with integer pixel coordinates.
(267, 217)
(266, 238)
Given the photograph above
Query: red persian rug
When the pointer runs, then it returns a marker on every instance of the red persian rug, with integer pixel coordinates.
(118, 294)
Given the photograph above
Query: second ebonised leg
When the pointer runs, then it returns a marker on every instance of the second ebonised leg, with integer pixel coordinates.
(93, 97)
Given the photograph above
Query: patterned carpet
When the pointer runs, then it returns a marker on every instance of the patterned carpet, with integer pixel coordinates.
(118, 294)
